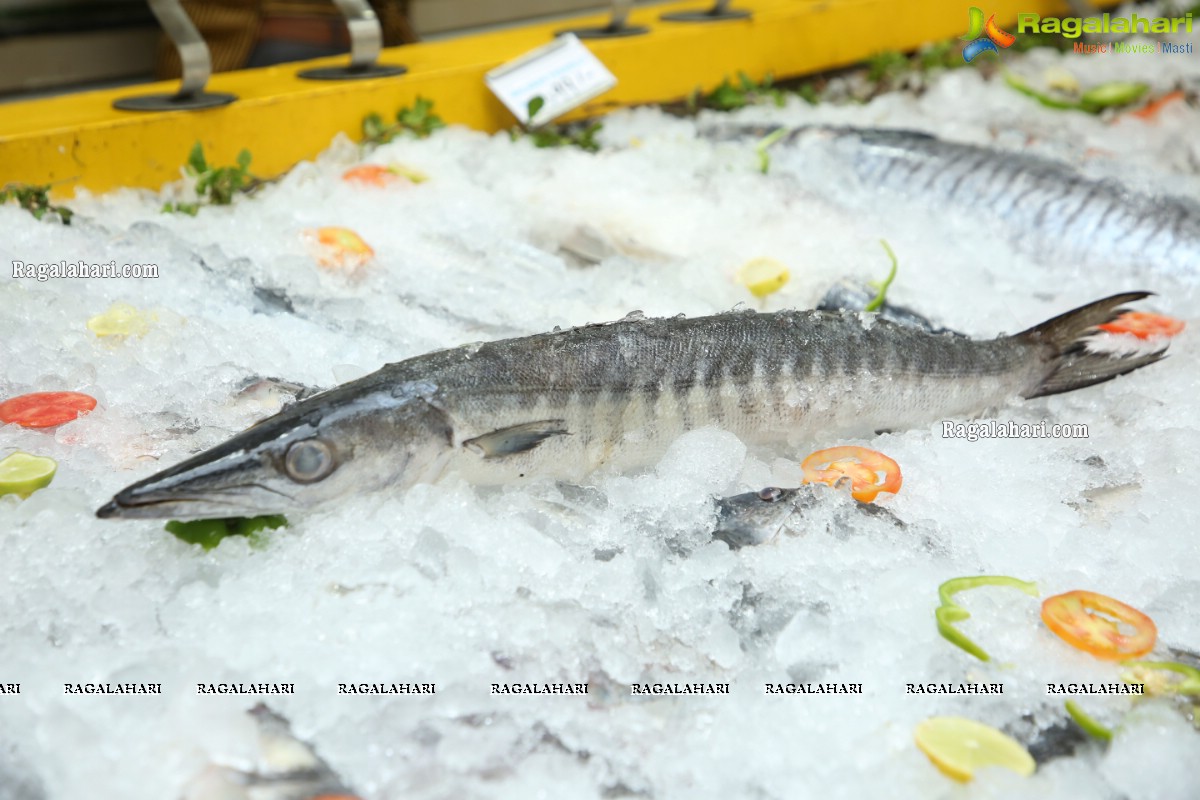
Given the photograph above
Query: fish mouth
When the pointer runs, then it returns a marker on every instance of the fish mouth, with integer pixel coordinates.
(245, 500)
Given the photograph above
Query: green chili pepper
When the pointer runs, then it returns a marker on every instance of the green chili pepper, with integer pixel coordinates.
(764, 160)
(949, 613)
(1089, 725)
(1116, 93)
(1189, 685)
(1093, 101)
(881, 293)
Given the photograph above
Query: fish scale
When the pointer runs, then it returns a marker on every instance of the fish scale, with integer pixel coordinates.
(614, 366)
(616, 395)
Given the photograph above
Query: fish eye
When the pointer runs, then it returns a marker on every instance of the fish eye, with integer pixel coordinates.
(770, 494)
(309, 461)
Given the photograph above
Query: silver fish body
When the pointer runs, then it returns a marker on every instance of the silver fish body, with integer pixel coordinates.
(1045, 207)
(616, 395)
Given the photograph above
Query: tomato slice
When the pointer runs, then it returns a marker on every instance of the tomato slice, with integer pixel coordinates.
(45, 409)
(338, 247)
(1073, 619)
(1144, 325)
(862, 466)
(370, 175)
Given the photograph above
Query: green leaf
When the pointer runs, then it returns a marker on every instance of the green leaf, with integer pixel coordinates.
(35, 200)
(190, 209)
(563, 136)
(419, 119)
(208, 533)
(195, 161)
(536, 103)
(372, 126)
(243, 159)
(249, 526)
(886, 65)
(726, 97)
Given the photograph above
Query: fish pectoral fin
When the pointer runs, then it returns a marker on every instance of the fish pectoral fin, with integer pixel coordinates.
(517, 438)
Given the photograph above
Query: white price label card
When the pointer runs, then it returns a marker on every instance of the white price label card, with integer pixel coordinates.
(564, 73)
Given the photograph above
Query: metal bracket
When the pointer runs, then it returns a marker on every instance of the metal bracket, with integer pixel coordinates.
(366, 40)
(616, 26)
(197, 66)
(718, 13)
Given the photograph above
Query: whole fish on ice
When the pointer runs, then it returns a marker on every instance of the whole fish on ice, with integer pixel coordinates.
(1044, 205)
(616, 395)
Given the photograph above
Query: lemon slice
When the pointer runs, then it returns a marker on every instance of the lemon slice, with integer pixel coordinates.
(1062, 79)
(121, 319)
(763, 276)
(958, 746)
(22, 474)
(408, 173)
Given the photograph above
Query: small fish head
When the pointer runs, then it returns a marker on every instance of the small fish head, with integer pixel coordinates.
(334, 444)
(757, 517)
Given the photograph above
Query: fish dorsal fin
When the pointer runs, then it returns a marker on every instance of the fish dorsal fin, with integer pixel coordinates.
(517, 438)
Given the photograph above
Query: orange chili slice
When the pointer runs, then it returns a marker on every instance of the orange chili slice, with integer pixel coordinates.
(339, 247)
(45, 409)
(1073, 619)
(1151, 110)
(1144, 325)
(371, 175)
(862, 466)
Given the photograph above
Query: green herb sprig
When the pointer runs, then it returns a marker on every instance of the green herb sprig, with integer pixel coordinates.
(215, 186)
(418, 120)
(35, 199)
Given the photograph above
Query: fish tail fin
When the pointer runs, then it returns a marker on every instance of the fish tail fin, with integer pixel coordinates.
(1073, 364)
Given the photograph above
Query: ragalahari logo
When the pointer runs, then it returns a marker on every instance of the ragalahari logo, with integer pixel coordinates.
(991, 36)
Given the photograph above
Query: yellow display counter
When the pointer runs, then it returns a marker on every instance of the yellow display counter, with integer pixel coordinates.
(80, 140)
